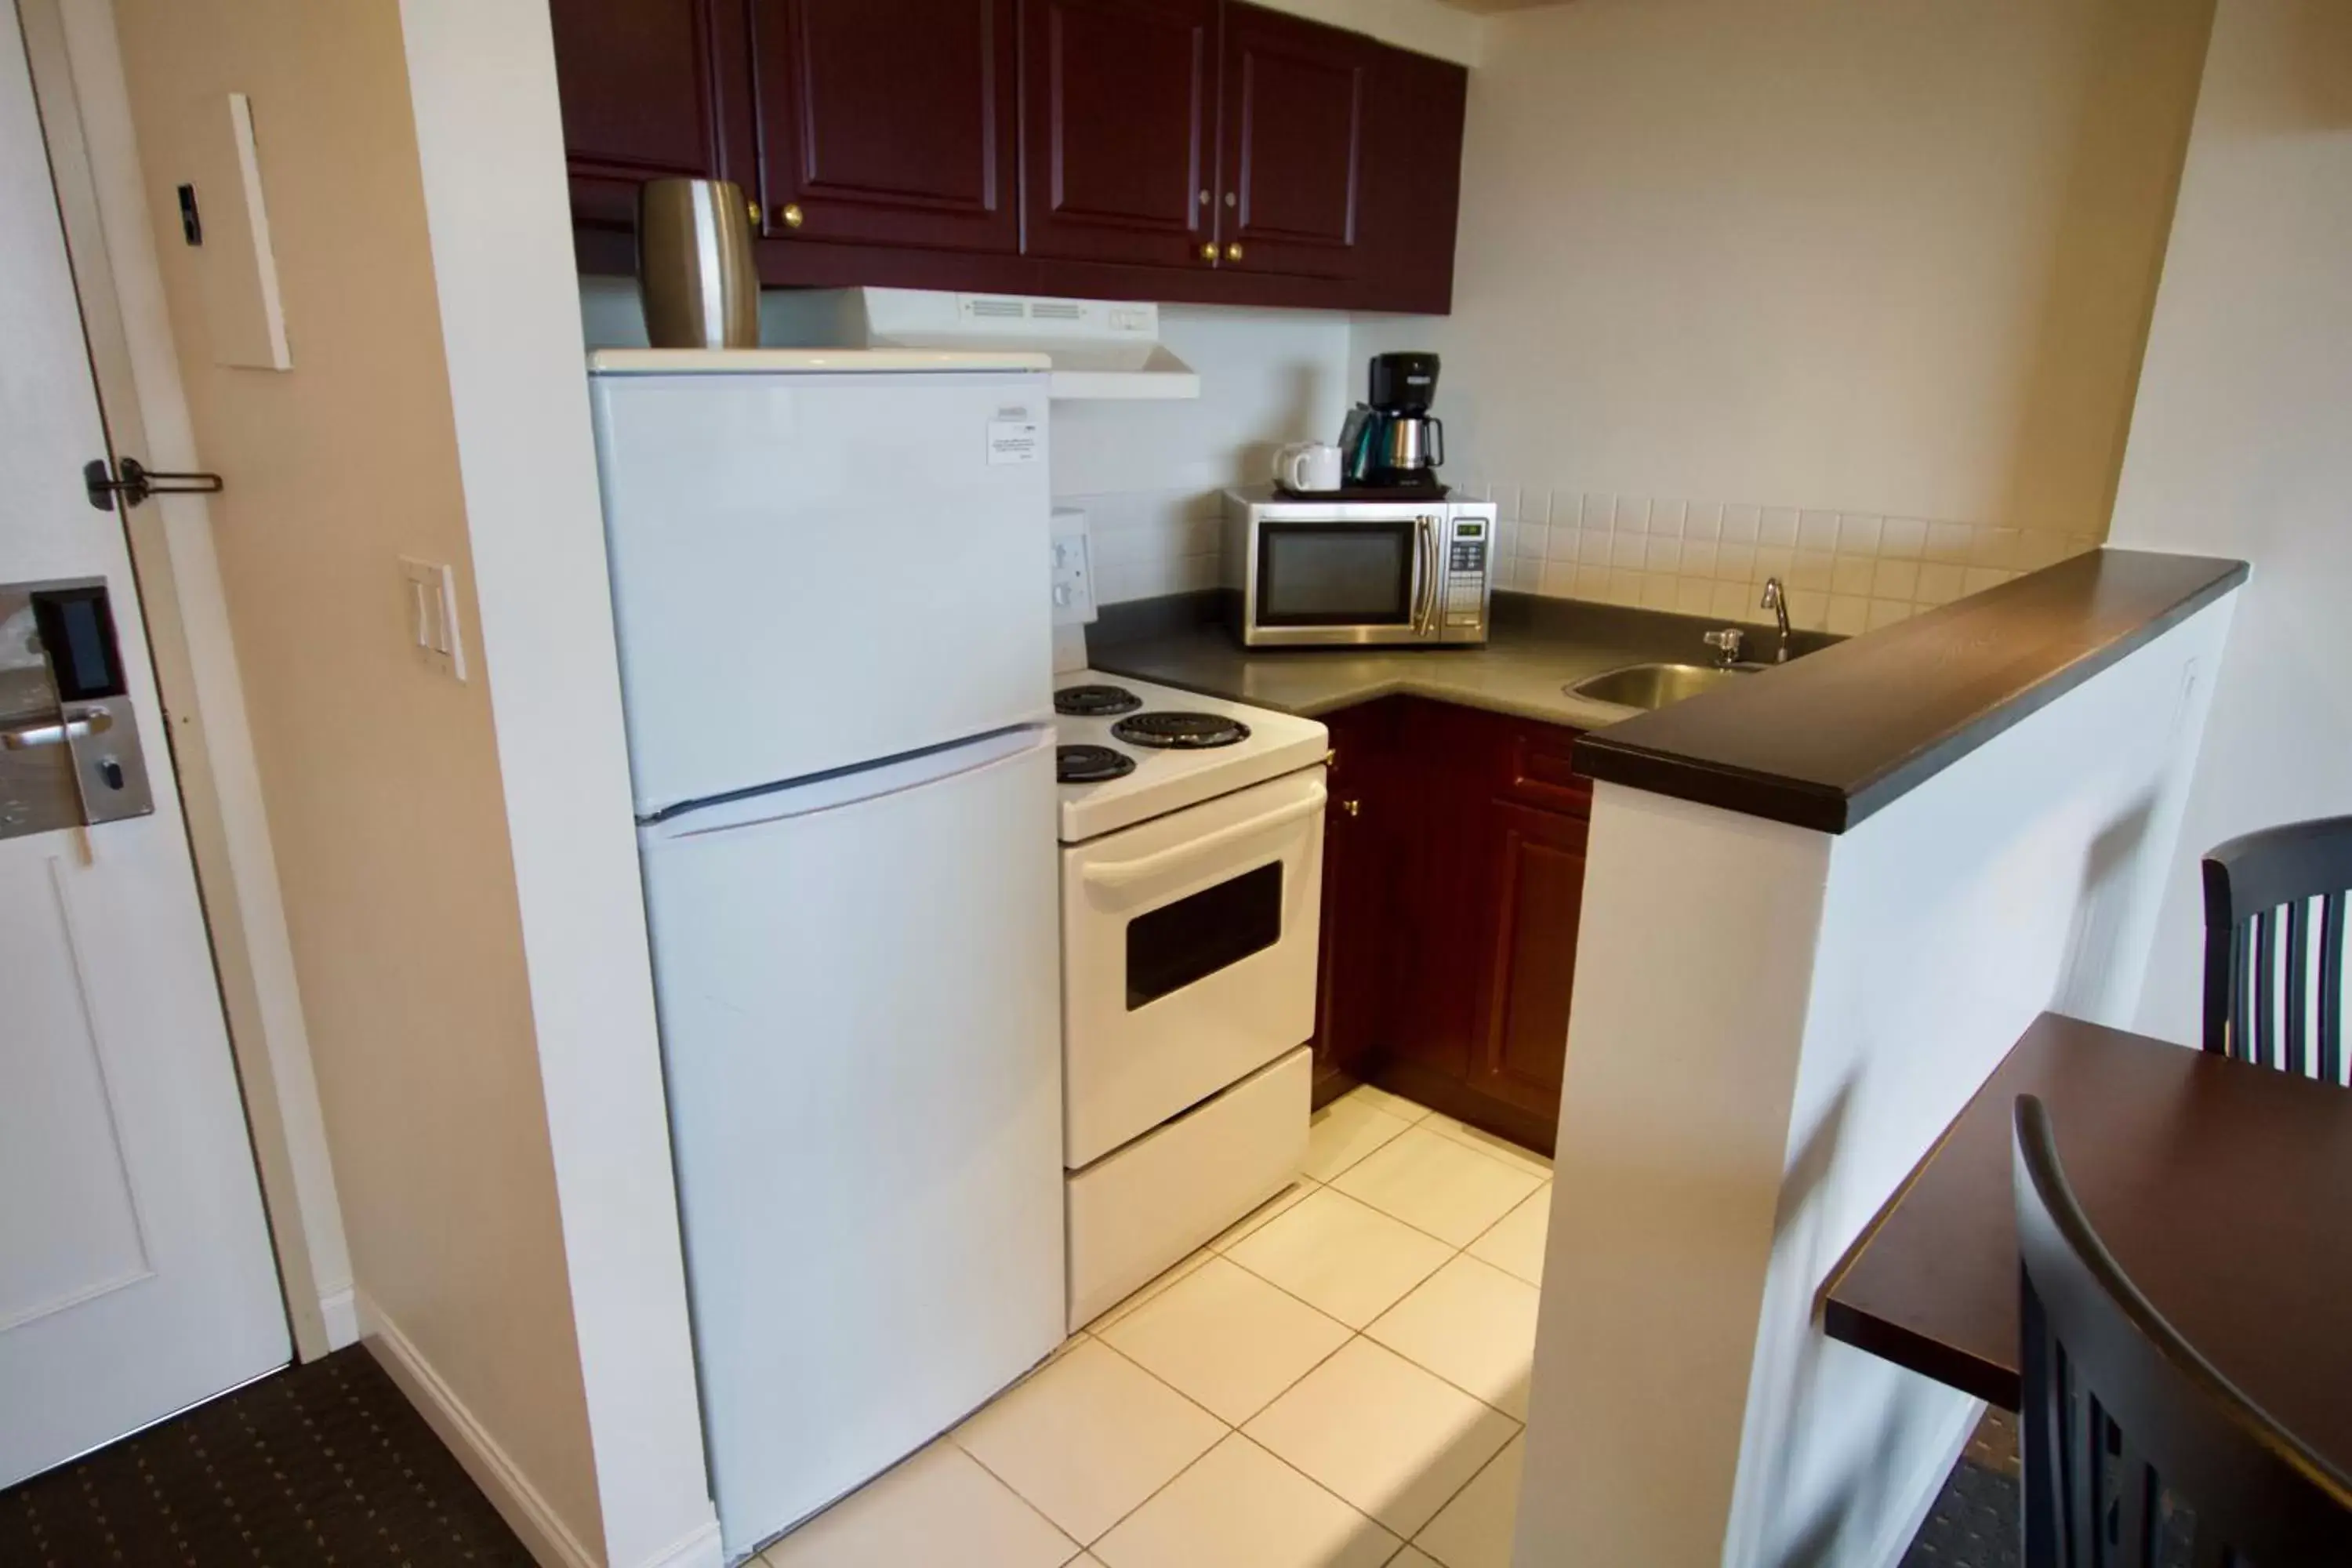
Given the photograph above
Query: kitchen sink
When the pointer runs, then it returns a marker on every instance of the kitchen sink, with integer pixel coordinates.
(1650, 686)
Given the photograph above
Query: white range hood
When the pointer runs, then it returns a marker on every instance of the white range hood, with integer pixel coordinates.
(1100, 347)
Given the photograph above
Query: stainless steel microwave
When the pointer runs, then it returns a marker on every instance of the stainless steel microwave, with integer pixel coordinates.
(1358, 572)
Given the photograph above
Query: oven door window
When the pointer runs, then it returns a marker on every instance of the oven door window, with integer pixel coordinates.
(1335, 574)
(1174, 945)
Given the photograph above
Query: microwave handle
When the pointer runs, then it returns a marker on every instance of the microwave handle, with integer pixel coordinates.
(1428, 595)
(1117, 873)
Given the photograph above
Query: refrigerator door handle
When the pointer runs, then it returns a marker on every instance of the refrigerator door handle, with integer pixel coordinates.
(853, 787)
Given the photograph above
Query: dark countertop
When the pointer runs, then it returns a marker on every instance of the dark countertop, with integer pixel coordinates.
(1832, 738)
(1536, 647)
(1821, 742)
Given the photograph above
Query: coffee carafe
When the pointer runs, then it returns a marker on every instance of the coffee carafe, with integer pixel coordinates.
(1393, 441)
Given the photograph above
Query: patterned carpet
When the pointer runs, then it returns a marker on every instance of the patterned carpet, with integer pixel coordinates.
(1974, 1523)
(322, 1464)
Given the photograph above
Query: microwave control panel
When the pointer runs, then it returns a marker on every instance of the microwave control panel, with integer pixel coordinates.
(1465, 578)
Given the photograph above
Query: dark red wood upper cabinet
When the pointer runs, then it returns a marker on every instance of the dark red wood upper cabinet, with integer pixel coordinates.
(649, 88)
(1411, 187)
(1296, 96)
(889, 122)
(1120, 130)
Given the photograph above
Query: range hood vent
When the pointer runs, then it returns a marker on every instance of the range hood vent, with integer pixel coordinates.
(1099, 348)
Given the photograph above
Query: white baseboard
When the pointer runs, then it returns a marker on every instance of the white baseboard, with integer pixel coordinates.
(1892, 1546)
(339, 1309)
(526, 1513)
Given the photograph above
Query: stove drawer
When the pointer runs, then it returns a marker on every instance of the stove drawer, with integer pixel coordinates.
(1189, 949)
(1139, 1212)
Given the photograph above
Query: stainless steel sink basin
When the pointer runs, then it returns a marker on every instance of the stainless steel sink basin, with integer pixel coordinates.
(1649, 686)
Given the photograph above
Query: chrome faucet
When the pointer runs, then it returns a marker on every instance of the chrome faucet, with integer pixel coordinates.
(1728, 643)
(1776, 599)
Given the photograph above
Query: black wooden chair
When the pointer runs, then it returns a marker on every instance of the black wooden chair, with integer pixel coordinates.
(2137, 1452)
(2274, 924)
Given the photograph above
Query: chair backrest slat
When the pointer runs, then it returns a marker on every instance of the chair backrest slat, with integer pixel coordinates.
(2275, 973)
(2266, 990)
(2331, 986)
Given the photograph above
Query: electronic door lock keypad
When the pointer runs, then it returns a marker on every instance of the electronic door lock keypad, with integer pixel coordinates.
(70, 750)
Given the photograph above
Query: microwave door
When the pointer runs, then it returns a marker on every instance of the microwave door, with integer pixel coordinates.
(1352, 580)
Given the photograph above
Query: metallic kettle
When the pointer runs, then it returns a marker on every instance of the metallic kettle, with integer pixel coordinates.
(695, 271)
(1409, 444)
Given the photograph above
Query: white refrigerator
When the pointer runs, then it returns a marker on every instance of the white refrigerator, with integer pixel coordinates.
(830, 591)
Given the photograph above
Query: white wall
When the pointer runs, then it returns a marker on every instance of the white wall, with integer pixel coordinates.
(1723, 263)
(2240, 444)
(1770, 1027)
(456, 860)
(1149, 473)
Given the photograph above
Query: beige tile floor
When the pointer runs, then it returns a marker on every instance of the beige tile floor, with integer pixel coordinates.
(1342, 1373)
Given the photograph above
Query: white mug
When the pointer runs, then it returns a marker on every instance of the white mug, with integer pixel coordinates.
(1308, 467)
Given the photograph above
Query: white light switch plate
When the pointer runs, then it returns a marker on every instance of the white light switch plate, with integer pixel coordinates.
(431, 590)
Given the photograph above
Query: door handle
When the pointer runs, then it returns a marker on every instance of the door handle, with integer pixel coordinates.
(56, 732)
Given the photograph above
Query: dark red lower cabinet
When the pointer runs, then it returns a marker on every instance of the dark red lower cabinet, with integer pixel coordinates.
(1453, 879)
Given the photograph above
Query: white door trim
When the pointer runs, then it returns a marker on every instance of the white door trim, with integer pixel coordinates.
(93, 159)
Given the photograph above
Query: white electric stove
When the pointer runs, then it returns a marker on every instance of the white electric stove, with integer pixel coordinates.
(1143, 774)
(1191, 898)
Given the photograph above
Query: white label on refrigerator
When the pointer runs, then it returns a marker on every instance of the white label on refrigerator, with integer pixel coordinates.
(1013, 441)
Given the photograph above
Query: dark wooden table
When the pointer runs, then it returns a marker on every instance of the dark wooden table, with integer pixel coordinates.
(2224, 1190)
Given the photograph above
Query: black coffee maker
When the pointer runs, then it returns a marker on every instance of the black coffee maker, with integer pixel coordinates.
(1391, 442)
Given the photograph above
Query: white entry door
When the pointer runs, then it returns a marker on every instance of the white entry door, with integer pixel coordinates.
(136, 1276)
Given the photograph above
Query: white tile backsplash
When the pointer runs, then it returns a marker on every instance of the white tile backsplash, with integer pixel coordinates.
(1845, 572)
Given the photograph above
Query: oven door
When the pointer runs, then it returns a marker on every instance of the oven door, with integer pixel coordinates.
(1188, 956)
(1356, 578)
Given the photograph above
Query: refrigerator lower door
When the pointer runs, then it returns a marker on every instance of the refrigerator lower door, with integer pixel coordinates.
(858, 988)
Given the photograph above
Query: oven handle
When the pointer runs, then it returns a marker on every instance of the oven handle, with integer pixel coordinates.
(1117, 873)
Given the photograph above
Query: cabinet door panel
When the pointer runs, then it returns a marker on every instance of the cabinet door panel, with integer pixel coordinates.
(888, 121)
(1411, 183)
(1537, 892)
(1294, 113)
(645, 94)
(1352, 989)
(1121, 103)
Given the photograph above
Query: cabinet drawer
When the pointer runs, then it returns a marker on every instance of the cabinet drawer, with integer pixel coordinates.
(1142, 1209)
(1540, 771)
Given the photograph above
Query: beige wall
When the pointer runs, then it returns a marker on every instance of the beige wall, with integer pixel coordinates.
(1723, 263)
(382, 780)
(2240, 445)
(1425, 27)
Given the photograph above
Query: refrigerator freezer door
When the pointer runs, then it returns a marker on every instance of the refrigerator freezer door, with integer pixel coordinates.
(857, 983)
(814, 571)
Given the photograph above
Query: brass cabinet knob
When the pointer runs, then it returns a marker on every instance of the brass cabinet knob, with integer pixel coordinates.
(1208, 253)
(753, 207)
(1234, 251)
(1352, 808)
(790, 215)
